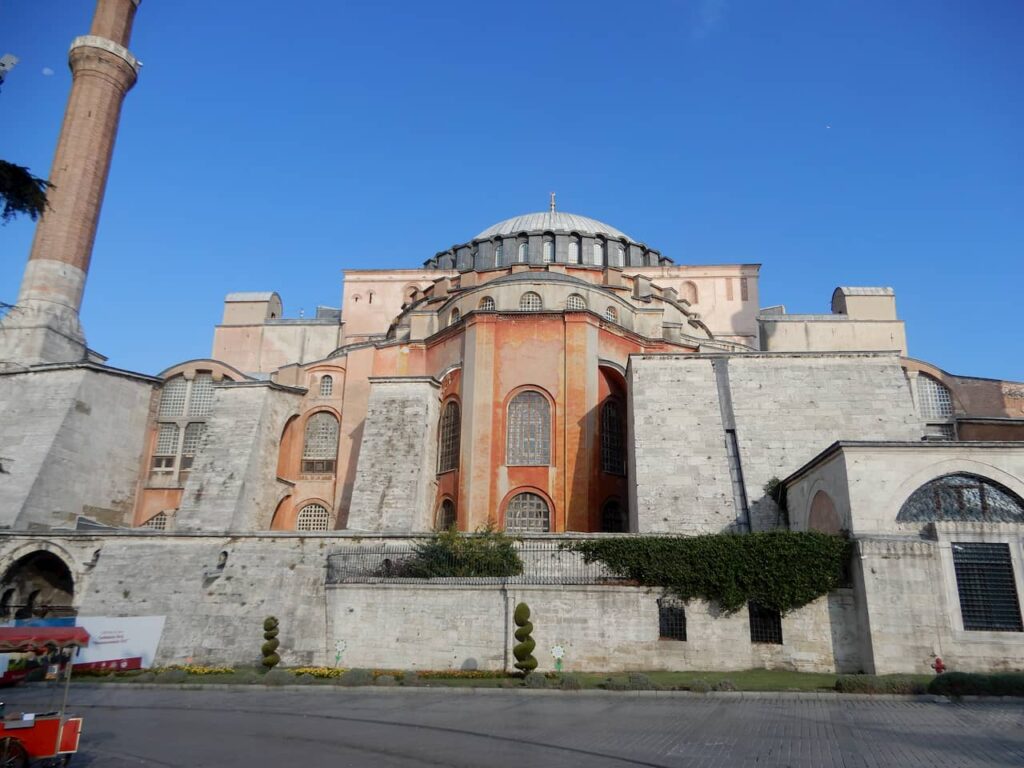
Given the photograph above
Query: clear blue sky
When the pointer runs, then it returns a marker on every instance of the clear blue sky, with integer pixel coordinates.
(269, 145)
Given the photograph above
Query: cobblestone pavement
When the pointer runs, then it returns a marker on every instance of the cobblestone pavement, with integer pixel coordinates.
(436, 727)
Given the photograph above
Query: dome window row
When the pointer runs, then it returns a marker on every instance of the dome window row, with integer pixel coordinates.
(532, 302)
(548, 248)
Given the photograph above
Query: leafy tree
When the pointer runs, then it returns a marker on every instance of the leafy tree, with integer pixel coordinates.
(21, 192)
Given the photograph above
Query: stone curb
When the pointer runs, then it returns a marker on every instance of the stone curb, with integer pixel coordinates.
(464, 691)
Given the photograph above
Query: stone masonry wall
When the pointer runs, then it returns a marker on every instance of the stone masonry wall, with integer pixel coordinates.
(71, 441)
(394, 486)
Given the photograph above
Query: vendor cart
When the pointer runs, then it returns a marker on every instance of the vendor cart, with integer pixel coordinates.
(41, 738)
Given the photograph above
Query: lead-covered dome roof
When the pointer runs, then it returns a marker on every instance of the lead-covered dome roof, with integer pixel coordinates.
(552, 221)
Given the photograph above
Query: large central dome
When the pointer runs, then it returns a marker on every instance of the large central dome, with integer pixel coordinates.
(552, 221)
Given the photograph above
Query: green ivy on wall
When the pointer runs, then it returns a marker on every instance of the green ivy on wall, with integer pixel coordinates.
(778, 569)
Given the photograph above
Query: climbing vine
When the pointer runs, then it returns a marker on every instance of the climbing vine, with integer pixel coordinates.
(777, 569)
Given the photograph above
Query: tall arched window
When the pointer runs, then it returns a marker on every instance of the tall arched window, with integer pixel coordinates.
(935, 404)
(320, 449)
(575, 301)
(599, 252)
(528, 438)
(448, 438)
(613, 457)
(549, 249)
(190, 444)
(172, 398)
(446, 517)
(611, 314)
(499, 254)
(527, 513)
(326, 386)
(185, 405)
(620, 255)
(454, 317)
(962, 497)
(313, 517)
(614, 518)
(574, 250)
(487, 304)
(200, 400)
(524, 253)
(531, 302)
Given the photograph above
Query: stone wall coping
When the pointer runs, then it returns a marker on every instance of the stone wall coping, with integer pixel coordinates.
(404, 380)
(89, 366)
(794, 318)
(260, 383)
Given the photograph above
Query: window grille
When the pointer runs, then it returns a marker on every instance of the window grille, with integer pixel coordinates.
(988, 594)
(527, 513)
(934, 398)
(190, 444)
(940, 431)
(549, 250)
(454, 317)
(614, 518)
(167, 440)
(575, 301)
(671, 619)
(529, 430)
(448, 453)
(611, 315)
(613, 458)
(530, 302)
(157, 522)
(598, 253)
(765, 624)
(312, 517)
(326, 386)
(524, 252)
(445, 515)
(574, 251)
(200, 402)
(172, 398)
(320, 450)
(962, 497)
(487, 304)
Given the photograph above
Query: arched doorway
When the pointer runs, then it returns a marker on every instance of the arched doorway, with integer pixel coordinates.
(38, 585)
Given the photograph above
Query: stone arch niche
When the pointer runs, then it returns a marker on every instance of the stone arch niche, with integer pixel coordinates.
(823, 516)
(38, 585)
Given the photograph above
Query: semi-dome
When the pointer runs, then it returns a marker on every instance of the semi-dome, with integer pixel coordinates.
(552, 221)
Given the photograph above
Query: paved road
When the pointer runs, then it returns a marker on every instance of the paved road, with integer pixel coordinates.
(398, 728)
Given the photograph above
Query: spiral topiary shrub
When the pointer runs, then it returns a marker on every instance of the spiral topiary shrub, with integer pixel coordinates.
(523, 650)
(271, 644)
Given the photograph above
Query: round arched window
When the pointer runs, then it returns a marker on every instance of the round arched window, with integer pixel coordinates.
(326, 386)
(611, 315)
(527, 513)
(963, 497)
(445, 515)
(312, 517)
(575, 301)
(531, 302)
(486, 304)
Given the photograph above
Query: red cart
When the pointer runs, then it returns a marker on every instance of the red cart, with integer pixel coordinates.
(50, 738)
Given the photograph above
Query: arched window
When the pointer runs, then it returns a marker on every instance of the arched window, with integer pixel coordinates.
(499, 254)
(613, 459)
(611, 314)
(157, 522)
(598, 253)
(934, 398)
(172, 398)
(312, 517)
(487, 304)
(527, 513)
(448, 438)
(689, 292)
(190, 444)
(574, 250)
(549, 249)
(575, 301)
(962, 497)
(524, 253)
(326, 386)
(530, 302)
(320, 448)
(528, 439)
(201, 399)
(445, 516)
(614, 518)
(620, 256)
(454, 317)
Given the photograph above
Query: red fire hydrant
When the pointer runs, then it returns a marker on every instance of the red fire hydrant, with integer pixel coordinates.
(938, 666)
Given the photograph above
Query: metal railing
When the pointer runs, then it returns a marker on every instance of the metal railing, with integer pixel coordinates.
(543, 562)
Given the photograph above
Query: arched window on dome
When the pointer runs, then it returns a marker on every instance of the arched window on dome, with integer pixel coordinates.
(530, 302)
(524, 253)
(486, 304)
(499, 254)
(449, 436)
(454, 317)
(320, 447)
(620, 255)
(528, 430)
(313, 517)
(326, 386)
(611, 314)
(599, 251)
(574, 250)
(575, 302)
(549, 249)
(527, 513)
(446, 517)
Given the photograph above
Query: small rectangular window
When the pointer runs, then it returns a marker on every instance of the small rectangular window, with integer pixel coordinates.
(985, 583)
(765, 624)
(671, 619)
(318, 466)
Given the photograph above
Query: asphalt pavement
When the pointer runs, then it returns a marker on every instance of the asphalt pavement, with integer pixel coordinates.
(407, 728)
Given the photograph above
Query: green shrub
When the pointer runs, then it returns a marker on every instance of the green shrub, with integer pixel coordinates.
(523, 650)
(638, 681)
(356, 677)
(145, 677)
(449, 554)
(570, 683)
(304, 679)
(874, 684)
(699, 686)
(269, 648)
(777, 569)
(413, 679)
(615, 684)
(969, 684)
(725, 684)
(537, 681)
(278, 677)
(172, 676)
(385, 680)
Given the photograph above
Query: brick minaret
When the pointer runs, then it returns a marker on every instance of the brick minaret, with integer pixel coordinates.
(43, 327)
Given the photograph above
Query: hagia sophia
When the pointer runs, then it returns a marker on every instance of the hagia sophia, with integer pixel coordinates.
(550, 376)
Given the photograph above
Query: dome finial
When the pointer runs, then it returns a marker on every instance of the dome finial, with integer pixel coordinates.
(552, 208)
